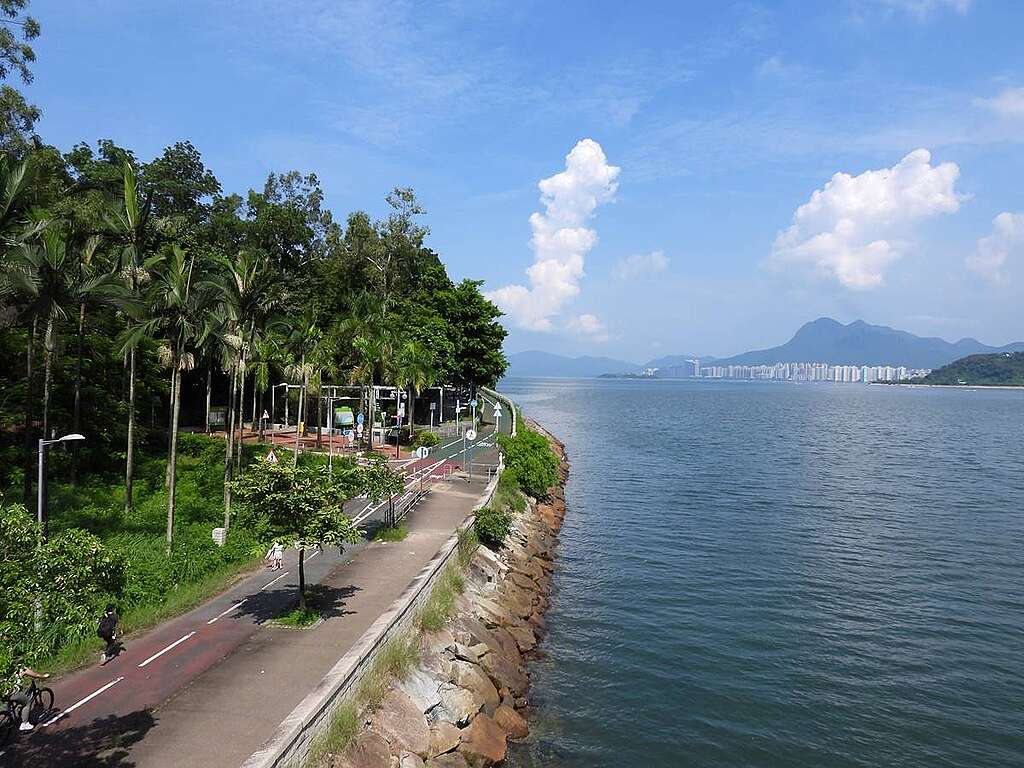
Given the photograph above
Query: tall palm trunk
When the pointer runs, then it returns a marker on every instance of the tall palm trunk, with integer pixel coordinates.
(240, 405)
(76, 415)
(129, 463)
(47, 376)
(209, 394)
(230, 447)
(171, 433)
(172, 460)
(30, 399)
(319, 422)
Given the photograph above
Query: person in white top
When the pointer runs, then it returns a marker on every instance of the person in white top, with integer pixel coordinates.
(275, 554)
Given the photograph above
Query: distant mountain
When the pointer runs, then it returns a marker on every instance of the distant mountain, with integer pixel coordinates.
(828, 341)
(536, 363)
(1002, 368)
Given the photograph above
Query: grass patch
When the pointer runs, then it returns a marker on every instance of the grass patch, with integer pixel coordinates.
(391, 533)
(181, 600)
(441, 603)
(299, 618)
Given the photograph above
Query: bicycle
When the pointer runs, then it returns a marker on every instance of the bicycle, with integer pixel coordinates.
(41, 703)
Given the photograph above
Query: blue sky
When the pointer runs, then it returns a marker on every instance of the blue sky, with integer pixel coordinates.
(697, 215)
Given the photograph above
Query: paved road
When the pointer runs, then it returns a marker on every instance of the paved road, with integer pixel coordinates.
(108, 713)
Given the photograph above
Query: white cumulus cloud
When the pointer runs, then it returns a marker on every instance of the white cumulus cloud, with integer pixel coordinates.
(850, 229)
(561, 238)
(990, 254)
(590, 326)
(1008, 104)
(640, 265)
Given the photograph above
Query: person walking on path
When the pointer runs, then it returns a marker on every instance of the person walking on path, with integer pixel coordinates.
(107, 630)
(22, 695)
(275, 554)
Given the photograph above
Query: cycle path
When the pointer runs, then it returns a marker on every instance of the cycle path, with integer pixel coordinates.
(116, 715)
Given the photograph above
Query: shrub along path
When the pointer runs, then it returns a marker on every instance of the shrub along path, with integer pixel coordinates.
(209, 687)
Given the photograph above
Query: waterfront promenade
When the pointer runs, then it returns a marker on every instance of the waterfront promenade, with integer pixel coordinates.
(209, 687)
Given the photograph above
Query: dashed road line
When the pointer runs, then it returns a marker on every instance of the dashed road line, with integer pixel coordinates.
(229, 610)
(80, 702)
(274, 581)
(158, 654)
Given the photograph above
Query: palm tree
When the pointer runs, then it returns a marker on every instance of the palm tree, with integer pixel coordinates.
(86, 254)
(414, 371)
(247, 292)
(130, 220)
(303, 342)
(15, 229)
(51, 287)
(177, 317)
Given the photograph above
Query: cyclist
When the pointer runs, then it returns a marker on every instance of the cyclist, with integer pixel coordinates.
(22, 695)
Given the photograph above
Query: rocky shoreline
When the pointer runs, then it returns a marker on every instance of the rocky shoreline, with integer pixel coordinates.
(468, 697)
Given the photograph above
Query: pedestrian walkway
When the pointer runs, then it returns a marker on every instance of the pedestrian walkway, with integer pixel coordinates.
(210, 687)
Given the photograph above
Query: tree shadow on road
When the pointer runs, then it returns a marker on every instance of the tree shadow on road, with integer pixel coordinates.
(101, 743)
(267, 606)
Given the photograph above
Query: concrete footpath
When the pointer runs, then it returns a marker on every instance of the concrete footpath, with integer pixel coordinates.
(209, 688)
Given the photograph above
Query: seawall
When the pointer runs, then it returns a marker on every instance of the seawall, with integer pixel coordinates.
(467, 697)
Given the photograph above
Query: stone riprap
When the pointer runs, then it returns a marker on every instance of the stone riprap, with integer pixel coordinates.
(469, 695)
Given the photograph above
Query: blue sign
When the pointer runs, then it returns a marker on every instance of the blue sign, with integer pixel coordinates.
(473, 402)
(360, 419)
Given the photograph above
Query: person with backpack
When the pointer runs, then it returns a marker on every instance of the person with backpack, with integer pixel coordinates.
(107, 630)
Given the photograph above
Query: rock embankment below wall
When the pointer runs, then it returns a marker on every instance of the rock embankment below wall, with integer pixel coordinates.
(469, 695)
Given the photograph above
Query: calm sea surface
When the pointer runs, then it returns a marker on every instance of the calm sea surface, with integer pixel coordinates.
(783, 575)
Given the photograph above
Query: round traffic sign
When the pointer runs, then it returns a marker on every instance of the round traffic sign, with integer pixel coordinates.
(422, 452)
(471, 434)
(473, 402)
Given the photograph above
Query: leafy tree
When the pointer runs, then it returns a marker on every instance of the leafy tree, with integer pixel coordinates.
(17, 117)
(66, 579)
(300, 506)
(477, 335)
(379, 481)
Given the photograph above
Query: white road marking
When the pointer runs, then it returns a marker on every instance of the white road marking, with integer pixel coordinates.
(274, 581)
(77, 704)
(313, 555)
(158, 654)
(229, 610)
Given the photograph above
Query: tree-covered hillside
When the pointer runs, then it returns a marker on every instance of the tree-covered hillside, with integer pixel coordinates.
(1004, 368)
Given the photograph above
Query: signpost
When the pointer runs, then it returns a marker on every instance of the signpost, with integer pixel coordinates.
(469, 434)
(433, 407)
(473, 404)
(458, 414)
(497, 417)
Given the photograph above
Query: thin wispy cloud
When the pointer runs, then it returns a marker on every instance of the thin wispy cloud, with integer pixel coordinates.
(992, 252)
(640, 265)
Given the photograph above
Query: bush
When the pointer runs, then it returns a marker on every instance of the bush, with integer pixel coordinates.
(425, 439)
(529, 460)
(492, 526)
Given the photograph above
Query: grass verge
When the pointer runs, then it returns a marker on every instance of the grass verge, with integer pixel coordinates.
(299, 618)
(391, 533)
(179, 601)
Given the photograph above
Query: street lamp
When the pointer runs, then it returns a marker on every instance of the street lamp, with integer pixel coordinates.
(41, 517)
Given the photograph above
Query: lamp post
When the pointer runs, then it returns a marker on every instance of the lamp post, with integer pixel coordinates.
(41, 516)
